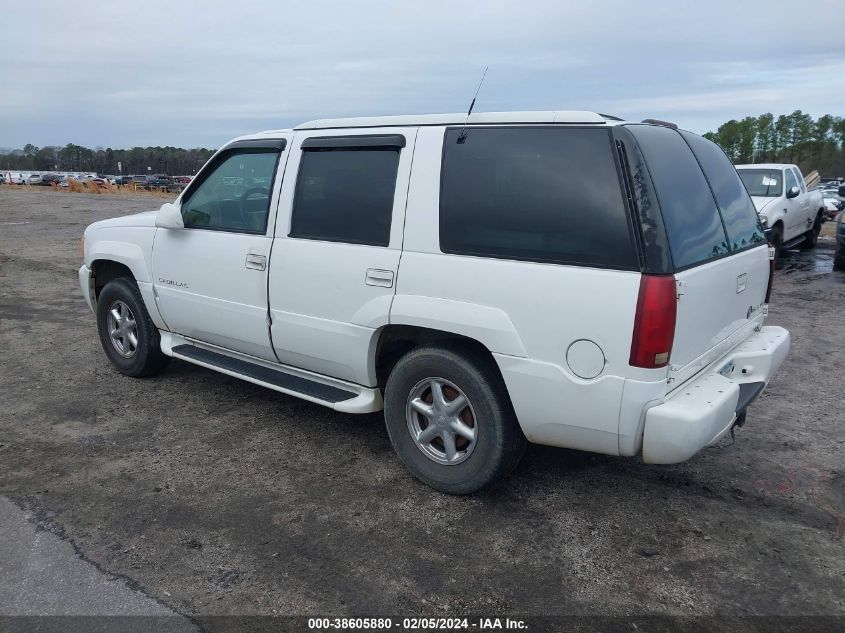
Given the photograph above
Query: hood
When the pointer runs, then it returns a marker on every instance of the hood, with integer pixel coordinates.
(143, 219)
(761, 202)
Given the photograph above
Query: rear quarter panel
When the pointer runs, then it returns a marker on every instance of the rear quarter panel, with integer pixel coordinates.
(527, 314)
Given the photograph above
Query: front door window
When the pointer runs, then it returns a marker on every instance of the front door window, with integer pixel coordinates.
(235, 195)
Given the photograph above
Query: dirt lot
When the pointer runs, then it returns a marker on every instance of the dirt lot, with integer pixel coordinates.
(215, 496)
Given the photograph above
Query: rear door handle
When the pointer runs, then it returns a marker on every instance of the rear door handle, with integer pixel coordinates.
(379, 277)
(256, 262)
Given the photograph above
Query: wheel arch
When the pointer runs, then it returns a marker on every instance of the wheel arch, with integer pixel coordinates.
(396, 340)
(106, 267)
(105, 270)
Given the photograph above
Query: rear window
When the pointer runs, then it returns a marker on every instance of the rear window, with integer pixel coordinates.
(537, 194)
(738, 212)
(692, 220)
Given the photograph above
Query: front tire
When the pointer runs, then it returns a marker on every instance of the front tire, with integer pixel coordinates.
(450, 420)
(811, 237)
(777, 244)
(128, 335)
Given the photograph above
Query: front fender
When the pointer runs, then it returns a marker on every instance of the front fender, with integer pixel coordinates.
(130, 255)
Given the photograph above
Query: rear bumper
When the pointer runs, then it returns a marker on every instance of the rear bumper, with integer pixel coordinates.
(705, 408)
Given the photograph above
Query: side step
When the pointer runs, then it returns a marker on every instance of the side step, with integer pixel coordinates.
(795, 241)
(328, 392)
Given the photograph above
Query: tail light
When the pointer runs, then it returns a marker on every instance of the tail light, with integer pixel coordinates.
(654, 324)
(771, 272)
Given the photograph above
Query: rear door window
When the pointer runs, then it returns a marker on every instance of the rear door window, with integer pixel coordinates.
(738, 212)
(345, 195)
(534, 193)
(692, 220)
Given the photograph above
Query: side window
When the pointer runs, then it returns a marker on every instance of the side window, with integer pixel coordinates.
(692, 220)
(345, 195)
(791, 181)
(546, 194)
(235, 195)
(738, 212)
(799, 180)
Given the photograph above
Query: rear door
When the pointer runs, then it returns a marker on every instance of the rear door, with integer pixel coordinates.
(717, 246)
(338, 242)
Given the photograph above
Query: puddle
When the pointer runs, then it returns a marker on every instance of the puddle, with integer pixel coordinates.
(815, 261)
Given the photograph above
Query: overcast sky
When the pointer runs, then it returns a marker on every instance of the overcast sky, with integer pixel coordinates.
(118, 74)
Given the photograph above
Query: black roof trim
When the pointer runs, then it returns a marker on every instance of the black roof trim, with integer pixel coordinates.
(352, 141)
(277, 144)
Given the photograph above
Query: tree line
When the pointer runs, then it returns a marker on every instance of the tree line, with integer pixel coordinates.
(813, 144)
(175, 161)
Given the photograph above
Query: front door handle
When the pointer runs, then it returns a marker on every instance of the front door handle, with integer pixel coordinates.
(379, 277)
(256, 262)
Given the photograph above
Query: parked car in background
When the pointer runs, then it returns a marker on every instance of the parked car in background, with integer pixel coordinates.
(839, 254)
(833, 204)
(123, 180)
(50, 179)
(159, 183)
(2, 179)
(642, 330)
(34, 179)
(791, 214)
(100, 183)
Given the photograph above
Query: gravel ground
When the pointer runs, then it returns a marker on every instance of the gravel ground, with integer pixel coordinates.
(214, 496)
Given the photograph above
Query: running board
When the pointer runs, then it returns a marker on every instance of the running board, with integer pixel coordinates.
(335, 394)
(795, 241)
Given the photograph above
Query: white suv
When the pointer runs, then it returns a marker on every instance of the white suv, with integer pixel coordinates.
(564, 278)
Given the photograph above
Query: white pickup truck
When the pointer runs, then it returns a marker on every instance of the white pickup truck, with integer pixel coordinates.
(791, 214)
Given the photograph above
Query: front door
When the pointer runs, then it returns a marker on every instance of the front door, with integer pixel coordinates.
(210, 277)
(338, 242)
(795, 215)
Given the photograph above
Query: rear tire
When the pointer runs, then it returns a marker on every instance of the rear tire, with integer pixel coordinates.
(811, 237)
(473, 409)
(127, 333)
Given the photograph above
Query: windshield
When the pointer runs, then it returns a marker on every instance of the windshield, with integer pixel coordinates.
(765, 183)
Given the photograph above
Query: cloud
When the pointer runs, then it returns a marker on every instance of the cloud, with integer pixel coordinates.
(102, 73)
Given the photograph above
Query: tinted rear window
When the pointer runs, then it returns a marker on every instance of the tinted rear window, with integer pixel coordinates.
(689, 212)
(538, 194)
(738, 212)
(345, 195)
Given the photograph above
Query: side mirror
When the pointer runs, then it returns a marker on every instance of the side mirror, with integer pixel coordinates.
(169, 217)
(793, 192)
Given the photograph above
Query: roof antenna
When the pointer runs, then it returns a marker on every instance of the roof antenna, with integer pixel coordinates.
(462, 137)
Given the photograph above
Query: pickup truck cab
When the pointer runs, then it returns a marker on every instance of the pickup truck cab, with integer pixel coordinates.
(791, 214)
(563, 278)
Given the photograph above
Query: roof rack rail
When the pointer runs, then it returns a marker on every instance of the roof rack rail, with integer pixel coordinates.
(674, 126)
